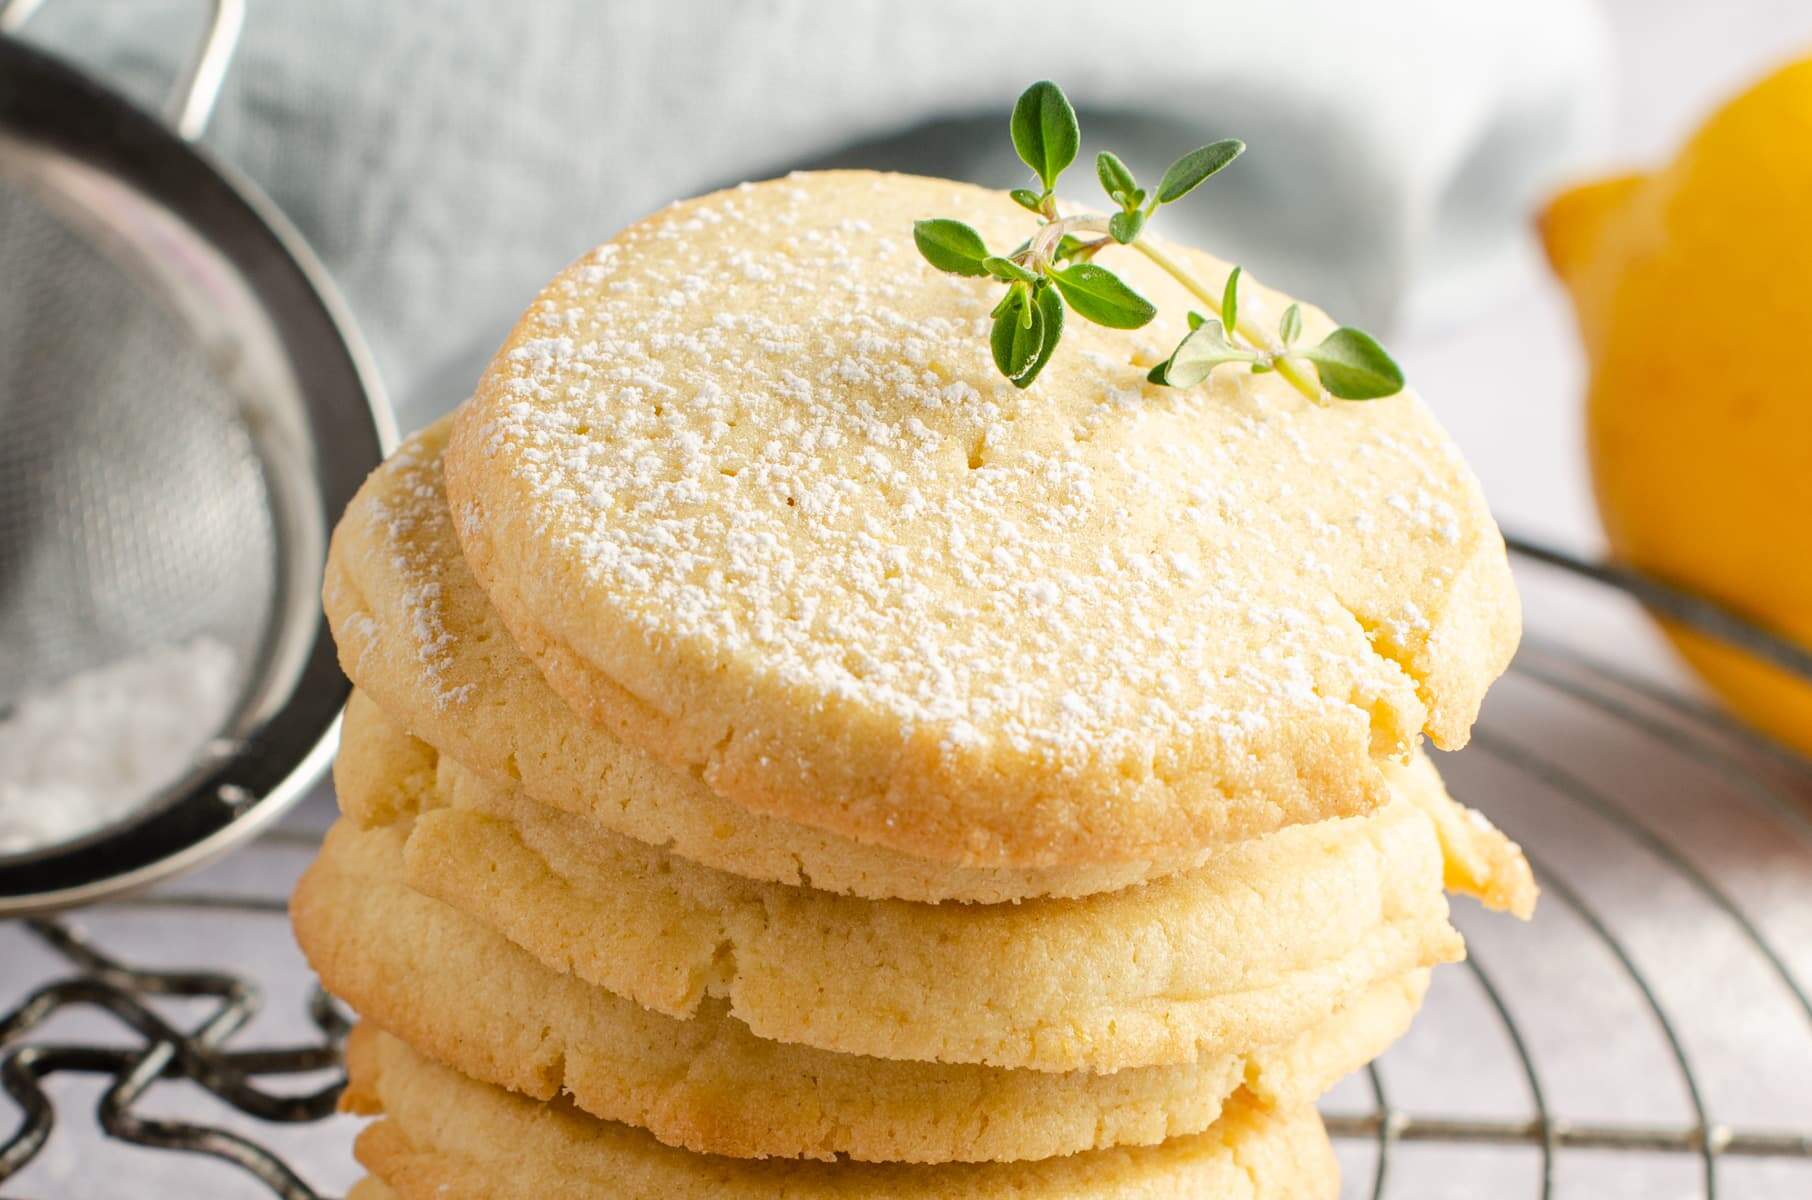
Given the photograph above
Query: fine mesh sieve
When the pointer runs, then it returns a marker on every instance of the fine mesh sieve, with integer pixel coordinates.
(107, 544)
(185, 412)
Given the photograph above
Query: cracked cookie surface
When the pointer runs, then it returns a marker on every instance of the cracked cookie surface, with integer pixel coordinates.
(446, 1137)
(1267, 938)
(465, 997)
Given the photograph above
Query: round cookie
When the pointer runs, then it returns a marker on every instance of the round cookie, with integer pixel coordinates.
(1480, 861)
(1266, 938)
(464, 996)
(415, 631)
(445, 1137)
(747, 486)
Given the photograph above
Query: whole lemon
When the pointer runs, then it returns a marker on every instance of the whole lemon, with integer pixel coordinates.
(1693, 290)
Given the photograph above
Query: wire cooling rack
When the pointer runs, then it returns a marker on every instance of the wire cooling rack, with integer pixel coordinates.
(1649, 1035)
(199, 1054)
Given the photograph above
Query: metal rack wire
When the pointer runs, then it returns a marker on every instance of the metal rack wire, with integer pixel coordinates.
(200, 1055)
(1706, 737)
(1548, 671)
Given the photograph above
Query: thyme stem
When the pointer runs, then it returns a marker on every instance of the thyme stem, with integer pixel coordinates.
(1050, 235)
(1044, 280)
(1289, 370)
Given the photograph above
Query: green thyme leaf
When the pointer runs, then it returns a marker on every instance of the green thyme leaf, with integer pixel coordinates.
(1008, 270)
(1045, 131)
(1115, 179)
(1188, 172)
(1353, 366)
(1029, 319)
(1198, 354)
(1050, 307)
(951, 246)
(1018, 336)
(1290, 328)
(1098, 295)
(1125, 226)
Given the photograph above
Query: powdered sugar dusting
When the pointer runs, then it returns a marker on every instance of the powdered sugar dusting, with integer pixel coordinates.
(770, 436)
(95, 747)
(410, 518)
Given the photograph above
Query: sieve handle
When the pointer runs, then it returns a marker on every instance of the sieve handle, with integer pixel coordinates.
(192, 99)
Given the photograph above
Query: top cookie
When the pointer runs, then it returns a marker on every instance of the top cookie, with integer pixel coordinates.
(747, 486)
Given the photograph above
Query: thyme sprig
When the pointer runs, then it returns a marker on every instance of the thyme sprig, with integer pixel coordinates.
(1054, 269)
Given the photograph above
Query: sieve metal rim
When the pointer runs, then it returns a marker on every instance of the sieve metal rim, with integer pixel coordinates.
(47, 102)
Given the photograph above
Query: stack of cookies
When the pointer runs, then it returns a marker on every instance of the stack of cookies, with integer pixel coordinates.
(788, 760)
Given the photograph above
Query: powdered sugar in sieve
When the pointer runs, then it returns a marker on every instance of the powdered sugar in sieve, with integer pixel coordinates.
(85, 752)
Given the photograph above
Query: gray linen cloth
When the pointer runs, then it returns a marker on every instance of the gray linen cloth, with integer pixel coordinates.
(446, 156)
